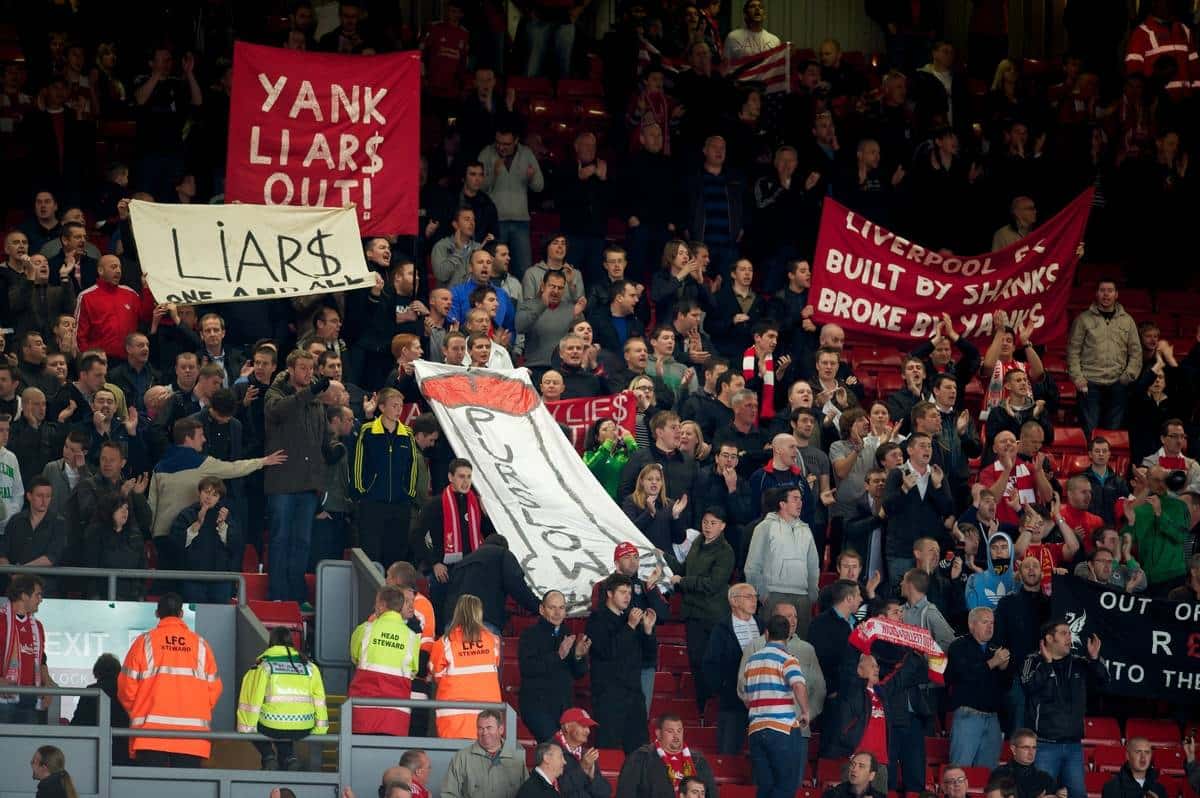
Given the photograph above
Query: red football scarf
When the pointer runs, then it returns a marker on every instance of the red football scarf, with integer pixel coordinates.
(679, 766)
(903, 635)
(766, 408)
(452, 525)
(574, 750)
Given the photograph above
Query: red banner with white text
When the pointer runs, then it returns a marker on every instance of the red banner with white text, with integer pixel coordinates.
(876, 283)
(321, 129)
(578, 415)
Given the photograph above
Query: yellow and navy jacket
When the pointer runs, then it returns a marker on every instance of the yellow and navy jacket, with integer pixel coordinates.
(282, 692)
(385, 463)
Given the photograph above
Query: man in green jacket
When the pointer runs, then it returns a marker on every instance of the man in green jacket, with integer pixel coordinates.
(1159, 523)
(703, 579)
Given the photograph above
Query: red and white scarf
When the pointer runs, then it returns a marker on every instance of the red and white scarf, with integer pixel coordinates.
(452, 525)
(994, 394)
(904, 635)
(574, 750)
(766, 407)
(679, 766)
(12, 650)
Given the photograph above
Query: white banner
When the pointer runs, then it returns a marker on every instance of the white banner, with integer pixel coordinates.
(195, 254)
(559, 521)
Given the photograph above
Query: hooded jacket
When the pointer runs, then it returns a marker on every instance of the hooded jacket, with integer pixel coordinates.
(783, 558)
(1124, 785)
(986, 588)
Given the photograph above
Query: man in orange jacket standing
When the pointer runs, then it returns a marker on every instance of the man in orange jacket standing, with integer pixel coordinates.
(169, 681)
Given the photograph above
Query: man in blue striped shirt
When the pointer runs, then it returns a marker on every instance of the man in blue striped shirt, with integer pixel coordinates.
(774, 687)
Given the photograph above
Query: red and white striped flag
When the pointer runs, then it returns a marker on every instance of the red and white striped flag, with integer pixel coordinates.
(770, 67)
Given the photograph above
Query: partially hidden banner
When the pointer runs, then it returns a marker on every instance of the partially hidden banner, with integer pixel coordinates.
(559, 521)
(872, 281)
(321, 129)
(229, 253)
(1151, 646)
(578, 415)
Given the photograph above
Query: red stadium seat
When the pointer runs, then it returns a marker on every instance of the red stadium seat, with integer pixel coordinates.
(671, 633)
(937, 750)
(610, 760)
(740, 791)
(1095, 782)
(579, 88)
(1069, 439)
(256, 587)
(730, 768)
(664, 684)
(829, 771)
(886, 384)
(1170, 759)
(1154, 730)
(701, 738)
(827, 578)
(1101, 731)
(687, 685)
(1108, 758)
(673, 658)
(1118, 440)
(1072, 464)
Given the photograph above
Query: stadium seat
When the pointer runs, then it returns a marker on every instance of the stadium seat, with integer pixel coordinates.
(671, 633)
(1170, 759)
(829, 771)
(673, 658)
(1101, 731)
(1071, 464)
(1095, 782)
(1108, 758)
(286, 614)
(730, 768)
(610, 760)
(826, 579)
(568, 87)
(937, 750)
(1069, 439)
(740, 791)
(1156, 731)
(887, 383)
(256, 586)
(1118, 440)
(687, 685)
(664, 684)
(701, 738)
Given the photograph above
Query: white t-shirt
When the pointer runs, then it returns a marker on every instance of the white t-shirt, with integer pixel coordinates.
(742, 42)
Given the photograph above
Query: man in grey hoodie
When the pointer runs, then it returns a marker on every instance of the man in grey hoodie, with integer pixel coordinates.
(783, 563)
(511, 171)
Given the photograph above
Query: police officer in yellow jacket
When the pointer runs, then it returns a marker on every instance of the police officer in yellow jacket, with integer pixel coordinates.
(386, 655)
(282, 697)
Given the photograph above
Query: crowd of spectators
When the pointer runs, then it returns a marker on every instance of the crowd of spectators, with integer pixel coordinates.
(676, 264)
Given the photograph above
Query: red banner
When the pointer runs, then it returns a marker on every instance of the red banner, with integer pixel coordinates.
(320, 129)
(578, 415)
(871, 281)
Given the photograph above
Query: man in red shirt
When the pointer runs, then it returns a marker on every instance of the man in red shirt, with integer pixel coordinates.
(109, 311)
(1009, 480)
(1034, 541)
(445, 54)
(1075, 513)
(24, 650)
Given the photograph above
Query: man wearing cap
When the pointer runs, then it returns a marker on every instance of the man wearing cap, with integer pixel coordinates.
(581, 777)
(646, 596)
(551, 659)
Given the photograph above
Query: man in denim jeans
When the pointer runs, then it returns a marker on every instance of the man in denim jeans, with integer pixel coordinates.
(552, 26)
(511, 171)
(978, 676)
(1056, 681)
(295, 413)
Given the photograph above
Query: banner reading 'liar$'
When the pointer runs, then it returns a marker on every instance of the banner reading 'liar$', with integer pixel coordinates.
(559, 521)
(321, 129)
(873, 282)
(196, 254)
(578, 415)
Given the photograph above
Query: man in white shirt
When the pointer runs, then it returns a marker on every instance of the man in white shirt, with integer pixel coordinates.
(753, 38)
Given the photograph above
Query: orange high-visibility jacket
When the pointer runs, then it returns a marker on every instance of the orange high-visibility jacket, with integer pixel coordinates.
(464, 671)
(169, 681)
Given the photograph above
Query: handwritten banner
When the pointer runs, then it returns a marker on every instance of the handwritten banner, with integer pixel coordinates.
(230, 253)
(872, 281)
(559, 521)
(321, 129)
(1151, 646)
(578, 415)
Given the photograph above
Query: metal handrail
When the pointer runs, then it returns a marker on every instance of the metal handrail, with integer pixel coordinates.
(113, 574)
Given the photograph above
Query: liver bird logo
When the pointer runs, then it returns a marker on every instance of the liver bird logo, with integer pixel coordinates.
(1076, 622)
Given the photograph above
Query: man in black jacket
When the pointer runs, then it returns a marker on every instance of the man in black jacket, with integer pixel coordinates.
(1029, 781)
(1018, 617)
(830, 630)
(680, 470)
(1055, 682)
(861, 772)
(1137, 778)
(492, 573)
(978, 675)
(917, 501)
(621, 636)
(549, 761)
(723, 658)
(550, 661)
(658, 769)
(581, 777)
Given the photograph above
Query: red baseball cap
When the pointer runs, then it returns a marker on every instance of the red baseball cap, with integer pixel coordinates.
(624, 549)
(576, 715)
